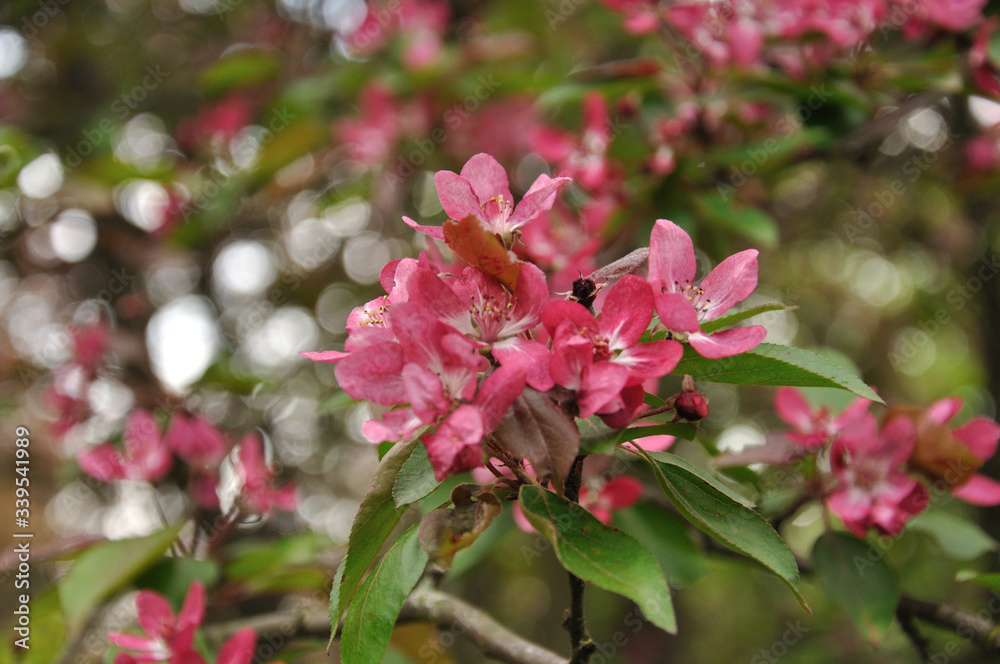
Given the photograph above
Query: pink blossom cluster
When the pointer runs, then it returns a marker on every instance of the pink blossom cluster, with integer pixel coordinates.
(447, 350)
(419, 24)
(147, 455)
(169, 638)
(67, 395)
(879, 473)
(794, 34)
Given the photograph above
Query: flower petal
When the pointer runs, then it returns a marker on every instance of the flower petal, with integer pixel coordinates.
(487, 178)
(726, 343)
(539, 198)
(328, 356)
(457, 196)
(193, 609)
(979, 490)
(791, 406)
(602, 382)
(573, 314)
(530, 356)
(621, 492)
(671, 258)
(435, 232)
(627, 312)
(943, 410)
(239, 649)
(102, 463)
(676, 312)
(454, 447)
(980, 435)
(732, 281)
(530, 298)
(374, 372)
(650, 360)
(154, 614)
(499, 391)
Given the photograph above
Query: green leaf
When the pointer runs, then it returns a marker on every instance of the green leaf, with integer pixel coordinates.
(47, 638)
(599, 438)
(105, 569)
(770, 364)
(988, 580)
(710, 326)
(415, 480)
(372, 615)
(715, 510)
(334, 608)
(866, 589)
(724, 212)
(959, 539)
(599, 554)
(666, 458)
(171, 577)
(374, 522)
(245, 68)
(667, 537)
(993, 49)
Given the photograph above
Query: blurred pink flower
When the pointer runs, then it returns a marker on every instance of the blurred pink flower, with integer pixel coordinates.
(873, 489)
(813, 428)
(145, 454)
(257, 477)
(167, 637)
(196, 440)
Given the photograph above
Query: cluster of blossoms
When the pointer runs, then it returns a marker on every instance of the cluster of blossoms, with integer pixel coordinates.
(448, 349)
(879, 474)
(169, 638)
(796, 35)
(71, 382)
(147, 455)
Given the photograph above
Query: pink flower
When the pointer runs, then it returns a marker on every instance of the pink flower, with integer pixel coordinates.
(873, 489)
(482, 191)
(604, 497)
(196, 440)
(455, 446)
(982, 153)
(683, 306)
(602, 357)
(954, 455)
(481, 308)
(641, 16)
(984, 71)
(168, 638)
(216, 124)
(372, 135)
(813, 428)
(584, 159)
(89, 344)
(145, 455)
(257, 477)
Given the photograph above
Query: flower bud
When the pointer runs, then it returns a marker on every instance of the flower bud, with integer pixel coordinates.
(690, 404)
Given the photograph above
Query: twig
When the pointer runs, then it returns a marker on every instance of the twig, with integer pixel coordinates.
(492, 638)
(575, 622)
(970, 626)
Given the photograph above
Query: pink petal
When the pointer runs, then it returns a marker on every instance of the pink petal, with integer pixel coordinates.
(328, 356)
(671, 258)
(435, 232)
(898, 439)
(457, 197)
(622, 492)
(980, 435)
(595, 115)
(553, 145)
(154, 614)
(650, 360)
(746, 41)
(102, 463)
(530, 298)
(677, 313)
(428, 290)
(487, 177)
(446, 448)
(602, 382)
(628, 403)
(726, 343)
(133, 641)
(860, 437)
(792, 407)
(251, 454)
(731, 282)
(541, 196)
(854, 410)
(943, 410)
(850, 504)
(627, 312)
(573, 314)
(531, 357)
(193, 609)
(979, 490)
(498, 392)
(374, 373)
(239, 649)
(397, 424)
(571, 355)
(425, 392)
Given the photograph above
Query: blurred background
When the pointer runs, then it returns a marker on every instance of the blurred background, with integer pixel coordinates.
(215, 184)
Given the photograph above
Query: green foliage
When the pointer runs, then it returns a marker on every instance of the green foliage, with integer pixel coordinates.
(599, 554)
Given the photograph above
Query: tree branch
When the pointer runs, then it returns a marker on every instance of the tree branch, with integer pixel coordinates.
(495, 640)
(981, 631)
(575, 622)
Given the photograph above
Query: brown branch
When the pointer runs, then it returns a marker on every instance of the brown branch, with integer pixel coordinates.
(575, 622)
(495, 640)
(970, 626)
